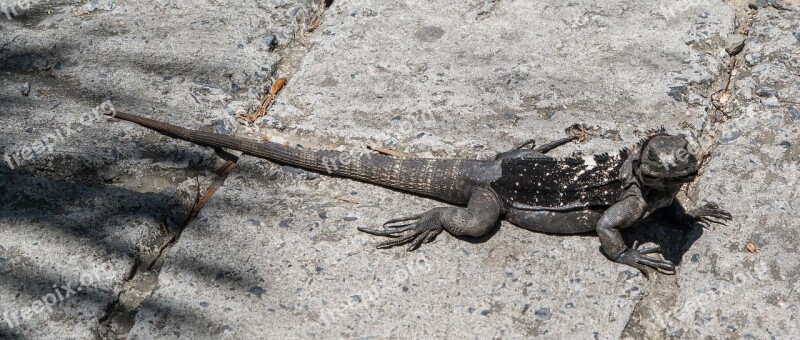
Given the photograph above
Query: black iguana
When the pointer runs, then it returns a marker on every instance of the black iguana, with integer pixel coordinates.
(603, 193)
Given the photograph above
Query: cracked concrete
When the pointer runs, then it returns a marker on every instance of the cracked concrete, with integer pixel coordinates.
(274, 253)
(80, 193)
(725, 288)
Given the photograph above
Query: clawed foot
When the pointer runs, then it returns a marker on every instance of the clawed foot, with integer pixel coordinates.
(637, 257)
(708, 214)
(529, 144)
(529, 149)
(417, 229)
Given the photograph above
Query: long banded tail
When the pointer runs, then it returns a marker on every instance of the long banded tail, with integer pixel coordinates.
(425, 176)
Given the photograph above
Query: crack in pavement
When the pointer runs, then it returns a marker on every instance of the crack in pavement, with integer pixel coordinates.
(119, 316)
(721, 103)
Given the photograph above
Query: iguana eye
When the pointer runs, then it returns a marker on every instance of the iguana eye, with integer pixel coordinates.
(652, 155)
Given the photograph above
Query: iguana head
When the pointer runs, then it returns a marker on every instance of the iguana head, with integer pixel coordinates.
(666, 162)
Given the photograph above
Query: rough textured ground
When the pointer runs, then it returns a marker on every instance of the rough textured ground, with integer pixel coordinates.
(81, 194)
(275, 252)
(723, 289)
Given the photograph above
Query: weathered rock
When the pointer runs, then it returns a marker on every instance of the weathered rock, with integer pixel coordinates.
(734, 43)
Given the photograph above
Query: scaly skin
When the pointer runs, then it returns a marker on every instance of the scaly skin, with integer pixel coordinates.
(604, 194)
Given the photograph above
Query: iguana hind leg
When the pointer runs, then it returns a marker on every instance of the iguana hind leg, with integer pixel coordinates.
(481, 214)
(521, 152)
(554, 144)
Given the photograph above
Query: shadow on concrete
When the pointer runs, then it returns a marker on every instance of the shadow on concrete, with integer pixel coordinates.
(661, 229)
(88, 212)
(80, 214)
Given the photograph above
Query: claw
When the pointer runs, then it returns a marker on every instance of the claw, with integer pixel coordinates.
(419, 238)
(401, 219)
(709, 214)
(431, 236)
(651, 250)
(656, 263)
(376, 232)
(708, 220)
(417, 229)
(637, 258)
(392, 243)
(644, 270)
(530, 142)
(554, 144)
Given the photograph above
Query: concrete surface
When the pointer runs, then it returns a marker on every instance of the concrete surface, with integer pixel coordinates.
(81, 194)
(275, 252)
(724, 289)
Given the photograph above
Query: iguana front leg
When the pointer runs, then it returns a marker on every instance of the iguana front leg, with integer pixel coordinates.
(481, 214)
(704, 215)
(622, 215)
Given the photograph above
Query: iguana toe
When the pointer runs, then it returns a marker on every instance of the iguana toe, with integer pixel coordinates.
(708, 214)
(637, 257)
(417, 229)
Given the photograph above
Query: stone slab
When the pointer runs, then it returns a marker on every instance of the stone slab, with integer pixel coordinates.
(276, 253)
(725, 290)
(80, 193)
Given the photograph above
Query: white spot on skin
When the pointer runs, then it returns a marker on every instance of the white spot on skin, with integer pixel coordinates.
(590, 163)
(578, 175)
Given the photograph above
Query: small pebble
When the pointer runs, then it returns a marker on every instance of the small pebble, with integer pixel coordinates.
(257, 291)
(734, 44)
(543, 314)
(766, 92)
(26, 89)
(270, 40)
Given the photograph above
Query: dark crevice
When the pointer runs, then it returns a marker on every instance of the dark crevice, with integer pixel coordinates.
(111, 306)
(327, 3)
(112, 310)
(722, 100)
(120, 315)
